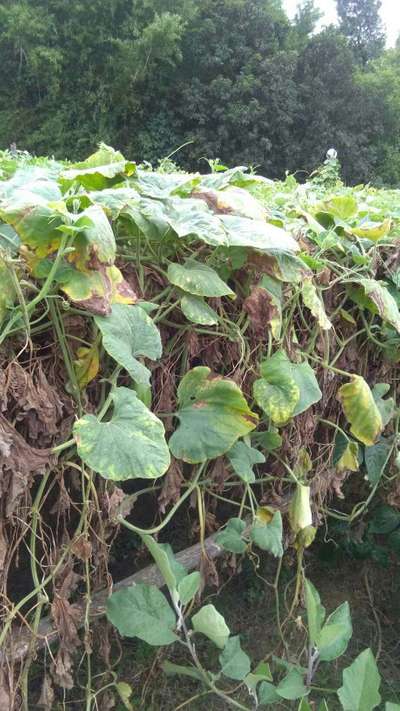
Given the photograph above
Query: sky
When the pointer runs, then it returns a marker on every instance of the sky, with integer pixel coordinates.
(390, 15)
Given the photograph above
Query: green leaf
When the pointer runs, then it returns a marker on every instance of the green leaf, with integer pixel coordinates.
(130, 445)
(268, 440)
(171, 669)
(213, 414)
(189, 587)
(383, 300)
(211, 623)
(102, 169)
(262, 672)
(376, 459)
(125, 692)
(361, 682)
(235, 664)
(162, 560)
(391, 706)
(386, 407)
(9, 240)
(323, 706)
(257, 234)
(342, 206)
(385, 519)
(142, 611)
(230, 538)
(304, 706)
(198, 279)
(242, 458)
(128, 334)
(7, 291)
(315, 612)
(285, 389)
(335, 634)
(292, 686)
(197, 311)
(268, 536)
(267, 694)
(360, 409)
(315, 304)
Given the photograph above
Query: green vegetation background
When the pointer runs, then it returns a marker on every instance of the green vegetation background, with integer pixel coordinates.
(234, 77)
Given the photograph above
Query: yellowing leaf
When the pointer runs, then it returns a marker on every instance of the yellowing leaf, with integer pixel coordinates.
(373, 230)
(361, 410)
(87, 365)
(315, 304)
(300, 515)
(349, 459)
(7, 291)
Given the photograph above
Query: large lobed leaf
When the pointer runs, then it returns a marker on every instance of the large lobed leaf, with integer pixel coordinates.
(130, 445)
(212, 413)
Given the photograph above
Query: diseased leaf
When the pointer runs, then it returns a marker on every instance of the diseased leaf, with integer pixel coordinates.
(315, 304)
(142, 611)
(213, 414)
(198, 311)
(211, 623)
(373, 230)
(235, 663)
(130, 445)
(243, 458)
(87, 365)
(361, 411)
(383, 300)
(198, 279)
(285, 389)
(346, 454)
(361, 682)
(129, 333)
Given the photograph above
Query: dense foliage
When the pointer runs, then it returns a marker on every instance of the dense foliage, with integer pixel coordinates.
(215, 352)
(234, 78)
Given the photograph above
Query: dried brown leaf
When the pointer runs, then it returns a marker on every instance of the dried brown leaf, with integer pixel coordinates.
(171, 489)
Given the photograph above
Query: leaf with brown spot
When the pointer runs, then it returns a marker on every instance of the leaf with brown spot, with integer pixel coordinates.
(171, 489)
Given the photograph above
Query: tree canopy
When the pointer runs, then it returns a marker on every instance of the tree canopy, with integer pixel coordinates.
(228, 79)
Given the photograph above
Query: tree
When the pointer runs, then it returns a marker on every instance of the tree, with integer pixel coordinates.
(360, 22)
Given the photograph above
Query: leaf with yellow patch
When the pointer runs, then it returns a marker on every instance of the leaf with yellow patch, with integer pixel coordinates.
(313, 302)
(87, 364)
(361, 410)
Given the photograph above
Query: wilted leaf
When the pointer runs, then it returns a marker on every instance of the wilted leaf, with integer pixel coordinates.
(130, 445)
(383, 300)
(142, 611)
(211, 623)
(373, 230)
(300, 514)
(315, 304)
(129, 333)
(361, 411)
(87, 364)
(346, 454)
(213, 414)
